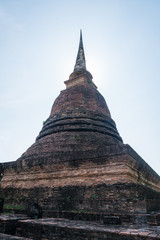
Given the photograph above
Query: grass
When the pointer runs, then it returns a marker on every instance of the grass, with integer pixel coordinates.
(13, 207)
(78, 210)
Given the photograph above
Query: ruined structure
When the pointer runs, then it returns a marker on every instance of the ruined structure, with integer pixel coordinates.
(79, 167)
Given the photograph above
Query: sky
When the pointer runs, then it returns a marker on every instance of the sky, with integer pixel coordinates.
(38, 46)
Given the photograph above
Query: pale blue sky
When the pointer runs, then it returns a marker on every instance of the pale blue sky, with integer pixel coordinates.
(38, 47)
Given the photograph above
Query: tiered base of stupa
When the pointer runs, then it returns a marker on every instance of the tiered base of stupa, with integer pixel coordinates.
(109, 194)
(113, 180)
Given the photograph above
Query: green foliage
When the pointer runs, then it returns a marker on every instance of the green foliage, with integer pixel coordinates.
(68, 198)
(79, 211)
(13, 207)
(95, 197)
(44, 123)
(78, 137)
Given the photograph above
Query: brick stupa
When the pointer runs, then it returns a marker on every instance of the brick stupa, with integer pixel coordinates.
(79, 163)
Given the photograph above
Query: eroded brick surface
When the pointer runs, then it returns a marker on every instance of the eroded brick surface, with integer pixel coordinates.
(79, 168)
(67, 229)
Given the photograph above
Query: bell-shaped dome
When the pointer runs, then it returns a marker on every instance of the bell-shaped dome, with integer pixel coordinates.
(80, 108)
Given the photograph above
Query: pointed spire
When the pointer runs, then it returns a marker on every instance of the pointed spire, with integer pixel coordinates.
(80, 75)
(80, 60)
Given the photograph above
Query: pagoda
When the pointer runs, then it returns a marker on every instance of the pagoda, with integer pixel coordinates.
(79, 163)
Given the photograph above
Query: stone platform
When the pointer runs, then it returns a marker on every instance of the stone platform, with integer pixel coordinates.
(68, 230)
(8, 223)
(20, 227)
(11, 237)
